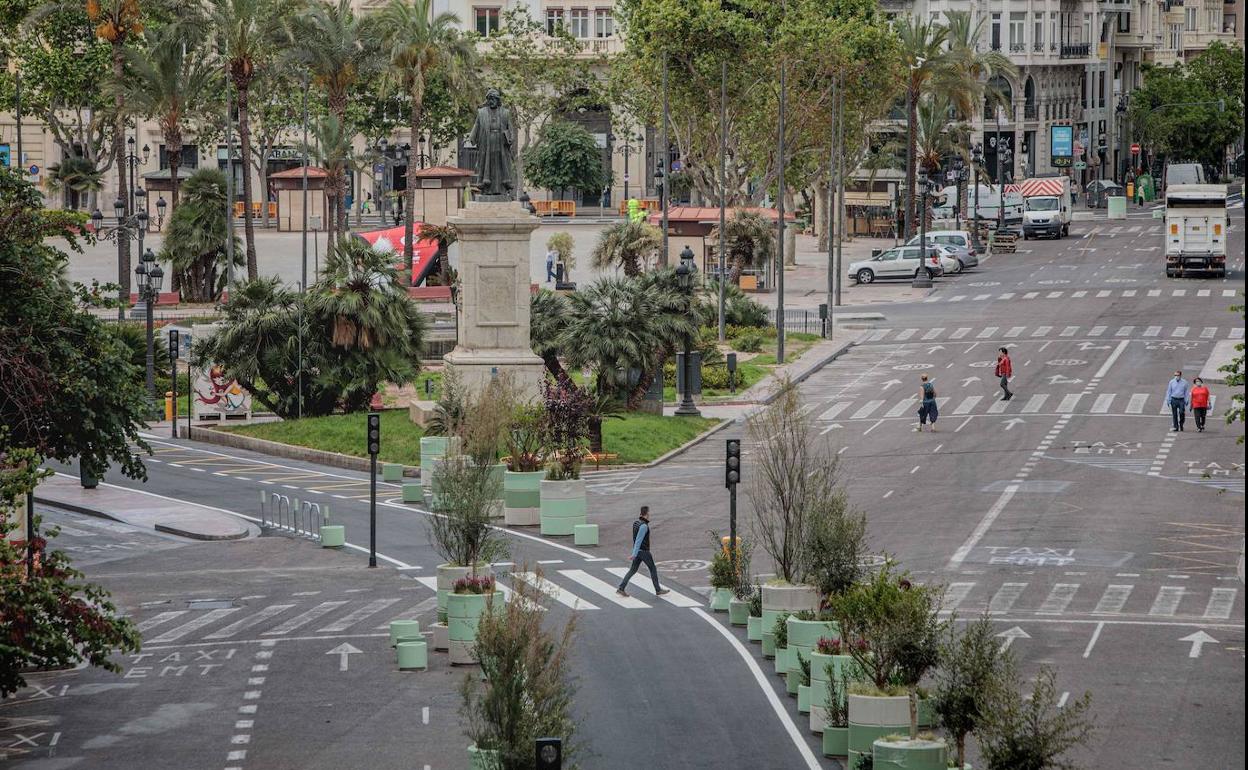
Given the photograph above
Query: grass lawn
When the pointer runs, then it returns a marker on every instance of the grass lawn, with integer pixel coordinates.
(638, 438)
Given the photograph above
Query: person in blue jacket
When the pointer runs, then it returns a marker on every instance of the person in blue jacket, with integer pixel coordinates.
(641, 553)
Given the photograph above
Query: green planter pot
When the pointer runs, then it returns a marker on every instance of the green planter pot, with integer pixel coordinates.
(333, 536)
(432, 449)
(792, 680)
(803, 699)
(720, 597)
(804, 636)
(522, 498)
(391, 472)
(836, 742)
(404, 629)
(769, 644)
(911, 755)
(447, 575)
(818, 683)
(753, 628)
(782, 660)
(926, 713)
(563, 506)
(462, 612)
(483, 759)
(872, 717)
(738, 611)
(497, 473)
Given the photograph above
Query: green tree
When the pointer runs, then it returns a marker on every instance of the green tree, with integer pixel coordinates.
(1235, 379)
(273, 118)
(165, 82)
(565, 157)
(548, 313)
(972, 665)
(1030, 732)
(421, 46)
(195, 244)
(75, 174)
(334, 152)
(749, 242)
(627, 245)
(69, 388)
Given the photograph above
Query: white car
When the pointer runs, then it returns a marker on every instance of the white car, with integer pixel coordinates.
(899, 262)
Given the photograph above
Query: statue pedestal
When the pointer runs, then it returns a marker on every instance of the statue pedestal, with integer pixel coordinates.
(494, 297)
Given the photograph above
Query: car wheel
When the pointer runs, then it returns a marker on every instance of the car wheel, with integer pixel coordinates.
(931, 274)
(865, 276)
(1024, 235)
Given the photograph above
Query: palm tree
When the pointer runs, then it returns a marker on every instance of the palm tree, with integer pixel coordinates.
(336, 48)
(749, 242)
(445, 235)
(548, 316)
(362, 295)
(335, 154)
(420, 46)
(195, 244)
(967, 70)
(77, 175)
(937, 137)
(923, 52)
(166, 82)
(627, 245)
(245, 29)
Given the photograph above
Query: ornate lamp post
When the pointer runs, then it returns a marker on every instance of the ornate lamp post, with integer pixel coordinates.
(977, 157)
(922, 278)
(121, 233)
(160, 212)
(684, 276)
(150, 277)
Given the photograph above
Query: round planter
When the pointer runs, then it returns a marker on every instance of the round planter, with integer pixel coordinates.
(483, 759)
(780, 599)
(836, 742)
(782, 660)
(791, 679)
(432, 449)
(738, 611)
(818, 681)
(333, 536)
(413, 655)
(911, 754)
(803, 699)
(522, 498)
(769, 644)
(498, 471)
(804, 636)
(404, 629)
(447, 575)
(818, 715)
(463, 611)
(753, 627)
(563, 506)
(720, 597)
(872, 717)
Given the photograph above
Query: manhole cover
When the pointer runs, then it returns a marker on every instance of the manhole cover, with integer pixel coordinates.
(1029, 487)
(209, 604)
(1065, 362)
(912, 367)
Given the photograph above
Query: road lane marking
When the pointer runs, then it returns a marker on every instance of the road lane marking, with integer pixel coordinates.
(1113, 600)
(901, 407)
(967, 405)
(982, 528)
(935, 332)
(1070, 331)
(603, 589)
(1035, 402)
(998, 406)
(413, 613)
(835, 409)
(1097, 331)
(1005, 597)
(566, 598)
(986, 332)
(1087, 651)
(1167, 601)
(356, 615)
(671, 597)
(867, 409)
(1059, 599)
(1135, 405)
(865, 432)
(208, 618)
(955, 594)
(1109, 362)
(960, 332)
(1069, 402)
(251, 620)
(1221, 600)
(160, 619)
(1179, 331)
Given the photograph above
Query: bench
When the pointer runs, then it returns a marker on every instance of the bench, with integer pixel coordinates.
(554, 208)
(599, 458)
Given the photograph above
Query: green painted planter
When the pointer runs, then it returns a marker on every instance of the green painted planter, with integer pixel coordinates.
(792, 680)
(462, 613)
(498, 472)
(447, 575)
(818, 683)
(926, 712)
(404, 629)
(522, 498)
(413, 655)
(563, 506)
(720, 597)
(782, 660)
(911, 755)
(753, 628)
(872, 717)
(483, 759)
(391, 472)
(836, 742)
(738, 611)
(804, 636)
(769, 644)
(413, 492)
(432, 449)
(333, 536)
(585, 534)
(803, 699)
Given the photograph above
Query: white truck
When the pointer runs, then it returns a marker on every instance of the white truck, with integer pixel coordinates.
(1046, 206)
(989, 203)
(1196, 230)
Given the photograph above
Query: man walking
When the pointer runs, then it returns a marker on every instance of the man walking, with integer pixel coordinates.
(1004, 370)
(1178, 396)
(1200, 403)
(551, 255)
(927, 408)
(641, 553)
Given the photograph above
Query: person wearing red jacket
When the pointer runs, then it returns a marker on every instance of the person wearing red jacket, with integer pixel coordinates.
(1004, 370)
(1200, 403)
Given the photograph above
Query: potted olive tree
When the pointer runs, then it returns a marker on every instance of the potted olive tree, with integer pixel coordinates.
(972, 665)
(523, 478)
(470, 598)
(439, 440)
(754, 622)
(1031, 730)
(743, 590)
(525, 688)
(565, 426)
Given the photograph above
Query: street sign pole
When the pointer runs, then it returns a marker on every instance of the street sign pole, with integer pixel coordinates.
(374, 446)
(732, 476)
(173, 369)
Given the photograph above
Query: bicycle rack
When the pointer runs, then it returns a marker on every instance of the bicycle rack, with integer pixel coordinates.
(301, 518)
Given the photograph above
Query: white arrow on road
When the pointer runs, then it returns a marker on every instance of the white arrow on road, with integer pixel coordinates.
(969, 380)
(342, 651)
(1010, 635)
(1010, 423)
(1092, 346)
(1059, 379)
(934, 348)
(890, 384)
(1198, 640)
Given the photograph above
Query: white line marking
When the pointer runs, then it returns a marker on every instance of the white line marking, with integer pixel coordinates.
(603, 589)
(1109, 362)
(304, 618)
(157, 620)
(249, 621)
(1113, 600)
(1059, 599)
(672, 597)
(566, 598)
(356, 615)
(1087, 651)
(207, 618)
(1005, 597)
(1167, 601)
(1221, 600)
(982, 528)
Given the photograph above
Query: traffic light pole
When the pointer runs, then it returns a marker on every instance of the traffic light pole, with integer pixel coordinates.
(374, 446)
(732, 476)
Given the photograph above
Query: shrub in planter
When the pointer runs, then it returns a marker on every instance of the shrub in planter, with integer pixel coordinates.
(723, 579)
(972, 666)
(471, 597)
(522, 481)
(564, 428)
(836, 716)
(1018, 730)
(802, 677)
(780, 635)
(754, 620)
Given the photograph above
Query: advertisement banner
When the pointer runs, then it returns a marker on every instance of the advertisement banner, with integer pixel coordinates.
(1061, 145)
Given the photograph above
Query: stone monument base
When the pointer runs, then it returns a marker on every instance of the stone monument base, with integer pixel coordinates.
(475, 369)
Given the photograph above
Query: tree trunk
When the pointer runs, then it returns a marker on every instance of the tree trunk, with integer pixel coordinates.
(595, 435)
(914, 713)
(960, 742)
(643, 385)
(556, 368)
(409, 195)
(264, 186)
(912, 107)
(244, 139)
(119, 157)
(173, 148)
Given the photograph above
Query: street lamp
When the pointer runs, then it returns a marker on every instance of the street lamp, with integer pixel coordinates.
(160, 212)
(977, 157)
(922, 278)
(627, 148)
(121, 233)
(150, 277)
(958, 173)
(684, 277)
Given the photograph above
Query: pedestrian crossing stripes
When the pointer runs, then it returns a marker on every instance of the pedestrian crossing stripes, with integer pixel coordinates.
(1153, 334)
(207, 619)
(353, 617)
(1082, 293)
(1065, 597)
(1034, 403)
(253, 620)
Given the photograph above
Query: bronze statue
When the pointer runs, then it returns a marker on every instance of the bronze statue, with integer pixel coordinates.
(493, 137)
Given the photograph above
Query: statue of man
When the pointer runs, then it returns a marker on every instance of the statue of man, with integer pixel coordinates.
(493, 138)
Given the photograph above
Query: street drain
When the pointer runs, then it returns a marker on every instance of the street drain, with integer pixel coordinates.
(209, 604)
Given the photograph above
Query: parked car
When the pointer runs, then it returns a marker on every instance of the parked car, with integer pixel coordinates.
(965, 245)
(899, 262)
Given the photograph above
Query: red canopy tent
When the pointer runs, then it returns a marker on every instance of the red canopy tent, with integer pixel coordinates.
(390, 240)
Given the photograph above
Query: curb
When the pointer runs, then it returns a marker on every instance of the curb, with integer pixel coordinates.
(76, 508)
(803, 376)
(685, 447)
(288, 451)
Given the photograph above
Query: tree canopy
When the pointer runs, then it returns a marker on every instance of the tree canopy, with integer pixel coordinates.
(565, 157)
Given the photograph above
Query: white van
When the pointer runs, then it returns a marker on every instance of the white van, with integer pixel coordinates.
(1196, 229)
(989, 201)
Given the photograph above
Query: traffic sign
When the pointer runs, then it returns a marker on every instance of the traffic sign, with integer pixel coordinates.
(34, 170)
(676, 165)
(1081, 165)
(1135, 149)
(379, 168)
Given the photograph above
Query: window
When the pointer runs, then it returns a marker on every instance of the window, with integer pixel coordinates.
(578, 21)
(1087, 28)
(1189, 22)
(1053, 31)
(996, 32)
(1228, 23)
(1215, 19)
(604, 23)
(554, 20)
(1176, 37)
(1018, 32)
(486, 21)
(1037, 31)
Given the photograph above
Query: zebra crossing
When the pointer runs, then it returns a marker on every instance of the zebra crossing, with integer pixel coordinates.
(1068, 597)
(1033, 404)
(1157, 334)
(1082, 294)
(574, 589)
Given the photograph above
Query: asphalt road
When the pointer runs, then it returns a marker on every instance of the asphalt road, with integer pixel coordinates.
(1100, 541)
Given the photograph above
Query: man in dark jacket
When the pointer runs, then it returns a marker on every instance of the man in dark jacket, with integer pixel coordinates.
(641, 553)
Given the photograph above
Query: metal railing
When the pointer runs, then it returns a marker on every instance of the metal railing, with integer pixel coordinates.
(806, 321)
(301, 518)
(1075, 50)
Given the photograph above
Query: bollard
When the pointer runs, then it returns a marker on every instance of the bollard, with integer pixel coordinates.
(168, 404)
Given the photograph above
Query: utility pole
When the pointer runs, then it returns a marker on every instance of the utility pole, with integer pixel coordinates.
(664, 198)
(780, 224)
(830, 200)
(840, 183)
(723, 188)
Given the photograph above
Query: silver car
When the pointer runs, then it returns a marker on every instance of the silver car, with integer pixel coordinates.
(964, 244)
(899, 262)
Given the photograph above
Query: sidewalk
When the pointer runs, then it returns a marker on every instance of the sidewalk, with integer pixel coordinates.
(142, 509)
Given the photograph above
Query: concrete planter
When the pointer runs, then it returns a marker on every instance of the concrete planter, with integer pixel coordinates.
(498, 473)
(818, 715)
(413, 492)
(563, 506)
(769, 644)
(483, 759)
(783, 656)
(818, 683)
(779, 599)
(804, 636)
(413, 655)
(391, 472)
(447, 575)
(441, 636)
(803, 699)
(404, 629)
(872, 717)
(836, 742)
(522, 498)
(738, 611)
(720, 597)
(333, 536)
(911, 754)
(792, 677)
(463, 611)
(432, 449)
(753, 628)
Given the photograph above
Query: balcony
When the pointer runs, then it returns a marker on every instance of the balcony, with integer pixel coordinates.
(1029, 112)
(1075, 50)
(1019, 48)
(605, 46)
(1038, 47)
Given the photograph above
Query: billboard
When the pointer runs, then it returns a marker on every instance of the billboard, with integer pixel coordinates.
(1061, 145)
(6, 159)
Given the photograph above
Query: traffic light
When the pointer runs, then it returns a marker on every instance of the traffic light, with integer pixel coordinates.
(374, 433)
(732, 462)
